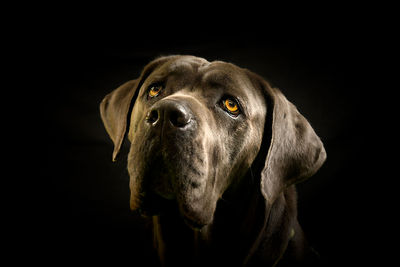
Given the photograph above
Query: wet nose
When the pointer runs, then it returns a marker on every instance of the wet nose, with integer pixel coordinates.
(169, 113)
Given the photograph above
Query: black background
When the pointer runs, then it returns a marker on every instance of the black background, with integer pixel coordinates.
(79, 210)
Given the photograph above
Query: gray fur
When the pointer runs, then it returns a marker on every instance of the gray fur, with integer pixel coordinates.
(230, 179)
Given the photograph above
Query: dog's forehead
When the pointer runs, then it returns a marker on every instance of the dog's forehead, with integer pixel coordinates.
(215, 72)
(187, 63)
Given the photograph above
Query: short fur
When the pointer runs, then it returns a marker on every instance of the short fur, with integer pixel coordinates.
(220, 188)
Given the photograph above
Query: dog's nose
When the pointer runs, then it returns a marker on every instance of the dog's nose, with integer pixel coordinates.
(171, 112)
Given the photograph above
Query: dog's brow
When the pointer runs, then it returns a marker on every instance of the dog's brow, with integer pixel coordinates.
(179, 67)
(218, 78)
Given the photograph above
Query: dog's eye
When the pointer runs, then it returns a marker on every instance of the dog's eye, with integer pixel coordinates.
(155, 89)
(231, 106)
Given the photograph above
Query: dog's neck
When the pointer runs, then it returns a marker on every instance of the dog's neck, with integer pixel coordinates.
(235, 225)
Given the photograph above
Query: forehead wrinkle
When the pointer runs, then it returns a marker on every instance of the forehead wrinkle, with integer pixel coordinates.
(180, 66)
(218, 78)
(230, 80)
(186, 64)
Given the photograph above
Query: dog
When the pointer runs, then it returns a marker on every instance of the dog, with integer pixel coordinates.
(215, 154)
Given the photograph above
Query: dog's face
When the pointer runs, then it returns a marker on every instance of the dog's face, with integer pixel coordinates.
(195, 127)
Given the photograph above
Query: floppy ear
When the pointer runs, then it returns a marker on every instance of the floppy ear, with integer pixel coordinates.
(114, 111)
(116, 106)
(295, 151)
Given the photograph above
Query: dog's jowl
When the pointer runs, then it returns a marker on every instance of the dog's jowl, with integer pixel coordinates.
(215, 153)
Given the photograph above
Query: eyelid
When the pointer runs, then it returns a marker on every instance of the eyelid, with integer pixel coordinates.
(155, 83)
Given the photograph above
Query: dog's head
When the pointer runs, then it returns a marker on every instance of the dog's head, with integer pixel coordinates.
(196, 128)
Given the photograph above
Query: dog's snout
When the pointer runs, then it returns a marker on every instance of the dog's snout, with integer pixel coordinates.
(169, 113)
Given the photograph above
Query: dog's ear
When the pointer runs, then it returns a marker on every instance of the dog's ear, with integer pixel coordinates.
(117, 105)
(295, 151)
(114, 110)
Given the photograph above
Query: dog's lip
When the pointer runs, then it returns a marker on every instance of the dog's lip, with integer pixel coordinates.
(153, 204)
(192, 218)
(193, 224)
(167, 195)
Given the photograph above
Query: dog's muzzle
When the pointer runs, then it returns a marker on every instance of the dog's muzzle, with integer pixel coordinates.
(173, 123)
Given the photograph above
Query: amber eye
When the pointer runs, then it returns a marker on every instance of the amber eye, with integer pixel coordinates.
(155, 89)
(231, 106)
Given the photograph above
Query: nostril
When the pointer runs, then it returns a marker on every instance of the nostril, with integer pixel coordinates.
(179, 118)
(152, 117)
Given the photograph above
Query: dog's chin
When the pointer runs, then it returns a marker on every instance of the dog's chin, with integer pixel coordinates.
(155, 205)
(194, 225)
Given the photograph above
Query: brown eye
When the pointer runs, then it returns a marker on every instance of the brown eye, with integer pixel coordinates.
(231, 106)
(155, 89)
